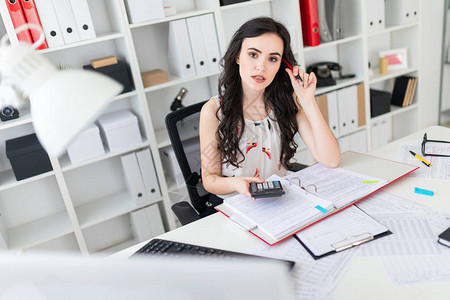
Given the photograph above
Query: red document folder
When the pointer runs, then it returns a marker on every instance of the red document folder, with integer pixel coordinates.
(31, 16)
(18, 19)
(364, 164)
(310, 22)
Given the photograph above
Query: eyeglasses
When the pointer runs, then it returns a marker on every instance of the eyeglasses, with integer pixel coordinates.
(425, 140)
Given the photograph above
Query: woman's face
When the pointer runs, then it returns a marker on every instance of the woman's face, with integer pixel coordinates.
(259, 61)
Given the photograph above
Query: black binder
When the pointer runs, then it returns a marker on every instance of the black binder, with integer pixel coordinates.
(444, 238)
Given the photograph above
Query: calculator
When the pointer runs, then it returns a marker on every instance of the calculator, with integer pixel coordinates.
(266, 189)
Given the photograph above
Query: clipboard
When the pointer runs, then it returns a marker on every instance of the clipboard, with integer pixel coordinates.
(364, 229)
(366, 165)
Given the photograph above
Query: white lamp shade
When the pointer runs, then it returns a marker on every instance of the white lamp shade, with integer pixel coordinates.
(66, 103)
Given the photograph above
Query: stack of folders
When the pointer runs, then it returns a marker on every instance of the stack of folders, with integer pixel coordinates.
(404, 90)
(63, 21)
(22, 12)
(312, 195)
(193, 46)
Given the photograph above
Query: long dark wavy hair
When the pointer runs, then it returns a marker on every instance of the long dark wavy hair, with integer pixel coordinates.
(278, 96)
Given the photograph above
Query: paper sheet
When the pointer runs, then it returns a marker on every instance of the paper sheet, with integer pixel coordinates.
(282, 215)
(410, 270)
(440, 166)
(314, 279)
(382, 204)
(411, 236)
(338, 185)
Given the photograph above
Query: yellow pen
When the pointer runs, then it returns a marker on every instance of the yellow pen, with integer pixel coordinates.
(420, 158)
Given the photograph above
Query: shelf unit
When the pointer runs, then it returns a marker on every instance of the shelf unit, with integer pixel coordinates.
(85, 207)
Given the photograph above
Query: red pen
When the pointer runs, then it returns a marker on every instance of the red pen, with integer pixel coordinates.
(292, 69)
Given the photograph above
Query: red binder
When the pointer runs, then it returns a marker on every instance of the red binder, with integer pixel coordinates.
(364, 164)
(310, 22)
(31, 16)
(18, 19)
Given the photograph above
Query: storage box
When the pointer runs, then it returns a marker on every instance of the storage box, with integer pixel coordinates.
(120, 130)
(154, 77)
(87, 144)
(380, 102)
(170, 163)
(119, 72)
(144, 10)
(27, 157)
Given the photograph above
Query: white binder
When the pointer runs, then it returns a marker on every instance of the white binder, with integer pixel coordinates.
(344, 143)
(133, 178)
(375, 15)
(83, 19)
(376, 134)
(400, 12)
(386, 130)
(181, 63)
(332, 107)
(358, 142)
(211, 42)
(148, 174)
(198, 46)
(49, 21)
(146, 223)
(66, 21)
(348, 109)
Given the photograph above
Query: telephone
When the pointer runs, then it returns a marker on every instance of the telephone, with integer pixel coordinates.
(323, 72)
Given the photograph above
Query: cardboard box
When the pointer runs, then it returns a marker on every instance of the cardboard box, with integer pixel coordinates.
(27, 157)
(120, 130)
(154, 77)
(87, 145)
(103, 62)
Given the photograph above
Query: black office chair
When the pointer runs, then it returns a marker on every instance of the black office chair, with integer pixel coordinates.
(182, 126)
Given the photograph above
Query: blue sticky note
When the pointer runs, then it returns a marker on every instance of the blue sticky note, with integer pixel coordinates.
(321, 209)
(423, 191)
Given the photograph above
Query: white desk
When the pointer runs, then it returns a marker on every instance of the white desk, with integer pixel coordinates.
(366, 277)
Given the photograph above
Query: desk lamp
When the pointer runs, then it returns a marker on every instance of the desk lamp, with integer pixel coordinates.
(62, 103)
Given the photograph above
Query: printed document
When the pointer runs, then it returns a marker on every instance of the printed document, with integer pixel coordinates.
(279, 216)
(440, 166)
(338, 185)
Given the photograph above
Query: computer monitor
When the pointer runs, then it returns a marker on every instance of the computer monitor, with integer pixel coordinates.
(68, 277)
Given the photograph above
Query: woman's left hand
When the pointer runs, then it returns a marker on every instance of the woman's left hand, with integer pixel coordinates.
(304, 90)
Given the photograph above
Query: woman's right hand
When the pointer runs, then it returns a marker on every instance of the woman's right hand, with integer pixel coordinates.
(242, 184)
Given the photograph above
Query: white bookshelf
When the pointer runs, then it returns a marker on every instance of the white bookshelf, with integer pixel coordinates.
(88, 207)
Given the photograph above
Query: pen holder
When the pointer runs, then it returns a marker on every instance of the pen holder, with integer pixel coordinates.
(383, 65)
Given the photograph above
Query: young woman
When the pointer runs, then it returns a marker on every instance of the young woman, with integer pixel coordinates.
(247, 132)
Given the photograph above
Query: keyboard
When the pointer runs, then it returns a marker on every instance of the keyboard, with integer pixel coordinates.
(171, 248)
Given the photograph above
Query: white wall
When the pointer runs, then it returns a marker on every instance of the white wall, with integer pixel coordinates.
(431, 53)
